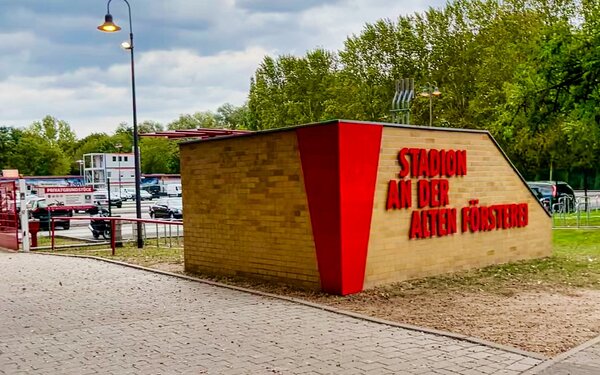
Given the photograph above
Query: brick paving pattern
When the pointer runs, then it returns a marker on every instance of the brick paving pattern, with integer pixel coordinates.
(584, 362)
(78, 316)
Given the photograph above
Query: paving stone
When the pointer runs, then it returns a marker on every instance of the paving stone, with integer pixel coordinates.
(109, 319)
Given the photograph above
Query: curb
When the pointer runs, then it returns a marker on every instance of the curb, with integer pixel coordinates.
(410, 327)
(561, 357)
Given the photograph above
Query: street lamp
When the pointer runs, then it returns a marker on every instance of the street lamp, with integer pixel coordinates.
(80, 162)
(110, 27)
(429, 91)
(118, 146)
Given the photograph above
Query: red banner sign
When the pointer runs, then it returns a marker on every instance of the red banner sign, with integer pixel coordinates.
(68, 189)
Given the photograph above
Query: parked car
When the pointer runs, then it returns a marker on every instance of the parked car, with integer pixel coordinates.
(100, 197)
(540, 196)
(145, 196)
(127, 193)
(28, 199)
(173, 190)
(555, 193)
(41, 210)
(171, 208)
(154, 190)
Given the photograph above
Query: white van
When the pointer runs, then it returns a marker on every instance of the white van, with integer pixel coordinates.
(127, 193)
(100, 197)
(173, 190)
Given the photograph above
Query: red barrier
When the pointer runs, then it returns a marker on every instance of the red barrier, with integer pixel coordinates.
(9, 219)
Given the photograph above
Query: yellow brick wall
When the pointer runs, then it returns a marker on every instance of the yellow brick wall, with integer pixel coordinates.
(393, 257)
(246, 212)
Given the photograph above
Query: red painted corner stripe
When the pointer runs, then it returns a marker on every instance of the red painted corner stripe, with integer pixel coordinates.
(318, 146)
(360, 146)
(339, 163)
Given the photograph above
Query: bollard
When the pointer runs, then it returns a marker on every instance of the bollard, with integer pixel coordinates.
(118, 232)
(34, 228)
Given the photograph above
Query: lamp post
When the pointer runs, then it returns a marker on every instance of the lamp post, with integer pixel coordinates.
(118, 146)
(110, 27)
(80, 162)
(429, 91)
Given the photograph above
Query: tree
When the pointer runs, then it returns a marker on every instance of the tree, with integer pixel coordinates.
(156, 155)
(56, 131)
(9, 138)
(37, 156)
(232, 117)
(292, 90)
(553, 100)
(150, 127)
(197, 120)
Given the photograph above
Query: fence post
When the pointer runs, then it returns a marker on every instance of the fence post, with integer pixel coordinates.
(24, 216)
(52, 231)
(113, 235)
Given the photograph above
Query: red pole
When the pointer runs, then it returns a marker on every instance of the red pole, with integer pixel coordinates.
(52, 235)
(14, 190)
(113, 244)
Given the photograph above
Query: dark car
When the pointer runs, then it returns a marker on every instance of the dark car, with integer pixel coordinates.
(117, 202)
(540, 196)
(171, 208)
(154, 190)
(557, 195)
(100, 197)
(41, 210)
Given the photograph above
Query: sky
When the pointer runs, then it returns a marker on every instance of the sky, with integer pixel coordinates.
(190, 55)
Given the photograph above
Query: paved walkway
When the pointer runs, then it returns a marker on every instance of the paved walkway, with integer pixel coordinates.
(582, 360)
(78, 316)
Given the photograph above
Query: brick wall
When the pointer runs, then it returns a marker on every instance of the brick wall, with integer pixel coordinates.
(490, 178)
(245, 208)
(246, 211)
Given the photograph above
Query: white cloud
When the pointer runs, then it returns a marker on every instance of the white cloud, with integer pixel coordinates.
(190, 55)
(168, 83)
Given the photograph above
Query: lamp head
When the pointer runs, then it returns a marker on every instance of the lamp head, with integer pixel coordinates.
(108, 26)
(436, 92)
(126, 45)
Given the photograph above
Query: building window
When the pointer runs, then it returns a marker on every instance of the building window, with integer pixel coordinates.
(125, 158)
(108, 173)
(120, 158)
(114, 158)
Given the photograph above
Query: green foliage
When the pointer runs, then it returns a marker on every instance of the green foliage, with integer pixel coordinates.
(156, 155)
(35, 155)
(227, 116)
(50, 147)
(9, 138)
(197, 120)
(526, 70)
(292, 90)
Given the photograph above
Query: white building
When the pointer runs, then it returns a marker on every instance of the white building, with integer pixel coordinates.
(118, 167)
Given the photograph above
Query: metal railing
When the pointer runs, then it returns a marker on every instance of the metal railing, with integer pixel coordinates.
(580, 212)
(114, 232)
